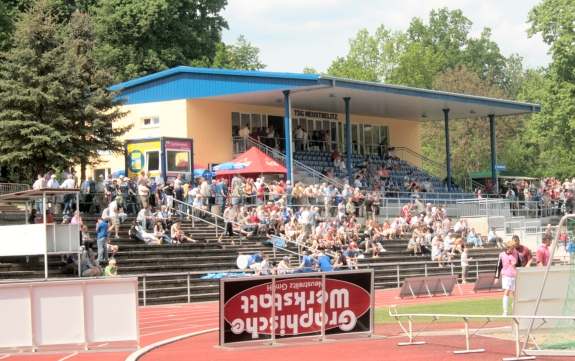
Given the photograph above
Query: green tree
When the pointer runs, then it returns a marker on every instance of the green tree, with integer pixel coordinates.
(370, 57)
(241, 55)
(93, 108)
(470, 146)
(137, 37)
(552, 132)
(34, 132)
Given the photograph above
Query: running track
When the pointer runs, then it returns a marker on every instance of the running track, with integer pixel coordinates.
(159, 323)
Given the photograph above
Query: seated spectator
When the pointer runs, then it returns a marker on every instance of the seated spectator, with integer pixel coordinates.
(145, 218)
(178, 235)
(88, 264)
(139, 233)
(111, 269)
(283, 266)
(474, 239)
(160, 232)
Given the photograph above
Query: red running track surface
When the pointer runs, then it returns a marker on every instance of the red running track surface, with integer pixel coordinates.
(162, 322)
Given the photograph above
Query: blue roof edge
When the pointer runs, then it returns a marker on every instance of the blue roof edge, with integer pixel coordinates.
(212, 71)
(434, 94)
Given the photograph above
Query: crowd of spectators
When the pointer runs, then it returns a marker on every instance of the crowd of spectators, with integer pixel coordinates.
(323, 218)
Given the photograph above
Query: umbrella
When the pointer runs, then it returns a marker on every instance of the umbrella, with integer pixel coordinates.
(203, 173)
(118, 174)
(230, 166)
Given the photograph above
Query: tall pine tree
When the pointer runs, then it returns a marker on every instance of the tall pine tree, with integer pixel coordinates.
(93, 108)
(34, 129)
(55, 109)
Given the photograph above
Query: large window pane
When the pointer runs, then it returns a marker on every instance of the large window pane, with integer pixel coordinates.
(153, 161)
(178, 161)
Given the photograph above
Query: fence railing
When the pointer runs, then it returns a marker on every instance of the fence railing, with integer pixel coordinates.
(402, 270)
(6, 188)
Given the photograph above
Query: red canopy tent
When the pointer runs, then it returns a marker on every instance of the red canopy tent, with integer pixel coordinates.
(257, 163)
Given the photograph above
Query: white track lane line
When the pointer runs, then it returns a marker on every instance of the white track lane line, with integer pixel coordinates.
(179, 329)
(145, 325)
(176, 316)
(2, 357)
(68, 357)
(135, 356)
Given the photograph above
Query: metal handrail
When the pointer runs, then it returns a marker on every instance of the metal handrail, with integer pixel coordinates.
(274, 153)
(194, 217)
(6, 188)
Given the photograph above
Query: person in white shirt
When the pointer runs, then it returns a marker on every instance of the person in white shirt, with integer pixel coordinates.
(53, 182)
(40, 183)
(69, 183)
(299, 134)
(113, 214)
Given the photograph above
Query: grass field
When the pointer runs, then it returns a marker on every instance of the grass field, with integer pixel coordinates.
(488, 306)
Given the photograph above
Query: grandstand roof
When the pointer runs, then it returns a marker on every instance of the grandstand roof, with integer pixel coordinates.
(314, 92)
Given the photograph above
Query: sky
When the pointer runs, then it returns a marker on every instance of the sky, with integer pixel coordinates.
(293, 34)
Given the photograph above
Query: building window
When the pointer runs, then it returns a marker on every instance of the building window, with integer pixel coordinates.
(178, 161)
(150, 122)
(153, 161)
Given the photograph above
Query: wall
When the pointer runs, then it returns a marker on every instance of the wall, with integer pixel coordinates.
(209, 124)
(173, 123)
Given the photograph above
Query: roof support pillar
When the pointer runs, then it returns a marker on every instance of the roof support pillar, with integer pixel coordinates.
(447, 149)
(288, 136)
(494, 180)
(348, 148)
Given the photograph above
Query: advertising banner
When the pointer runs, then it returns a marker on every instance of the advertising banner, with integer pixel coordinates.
(136, 157)
(178, 157)
(307, 304)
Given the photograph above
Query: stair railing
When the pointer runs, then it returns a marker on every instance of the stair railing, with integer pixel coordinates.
(279, 156)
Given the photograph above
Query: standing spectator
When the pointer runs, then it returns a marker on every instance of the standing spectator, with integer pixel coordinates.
(40, 183)
(299, 135)
(523, 253)
(464, 263)
(143, 193)
(69, 183)
(543, 255)
(102, 240)
(53, 182)
(507, 271)
(113, 214)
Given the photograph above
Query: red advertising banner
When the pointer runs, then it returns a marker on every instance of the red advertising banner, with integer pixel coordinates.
(262, 308)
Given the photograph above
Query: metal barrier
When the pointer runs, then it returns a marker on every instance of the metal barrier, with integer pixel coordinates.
(6, 188)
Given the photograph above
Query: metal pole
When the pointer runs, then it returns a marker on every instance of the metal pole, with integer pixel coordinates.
(447, 148)
(273, 315)
(216, 218)
(348, 148)
(188, 286)
(494, 180)
(425, 269)
(288, 135)
(398, 279)
(45, 235)
(144, 288)
(323, 300)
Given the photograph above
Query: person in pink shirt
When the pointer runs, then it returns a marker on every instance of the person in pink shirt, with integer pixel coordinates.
(507, 271)
(543, 255)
